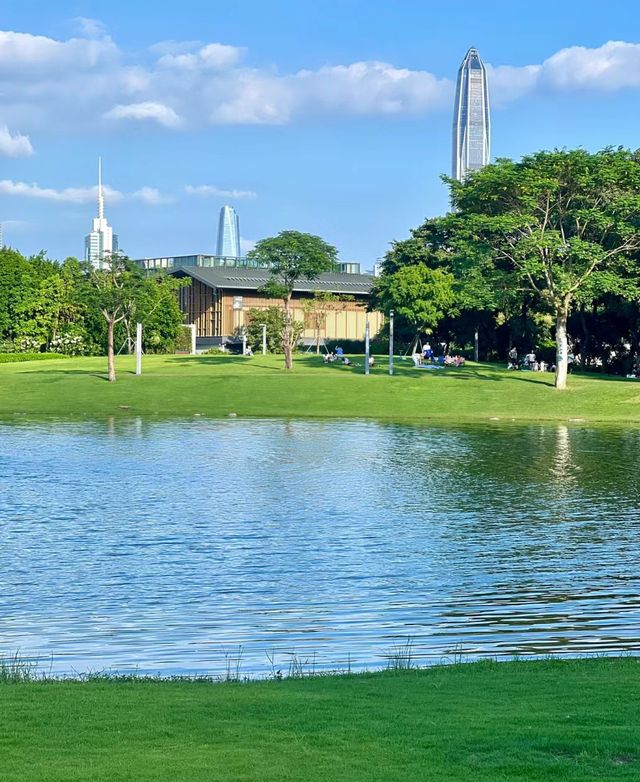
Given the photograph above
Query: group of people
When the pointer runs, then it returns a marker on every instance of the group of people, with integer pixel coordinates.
(339, 356)
(427, 356)
(531, 362)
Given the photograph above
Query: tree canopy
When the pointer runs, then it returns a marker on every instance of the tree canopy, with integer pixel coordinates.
(563, 226)
(292, 256)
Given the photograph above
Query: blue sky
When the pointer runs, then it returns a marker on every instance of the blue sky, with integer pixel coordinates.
(329, 117)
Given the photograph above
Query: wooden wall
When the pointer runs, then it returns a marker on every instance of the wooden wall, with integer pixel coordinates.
(214, 314)
(198, 301)
(347, 321)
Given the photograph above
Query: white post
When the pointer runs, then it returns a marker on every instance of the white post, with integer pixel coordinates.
(264, 339)
(192, 326)
(138, 348)
(366, 347)
(391, 342)
(244, 342)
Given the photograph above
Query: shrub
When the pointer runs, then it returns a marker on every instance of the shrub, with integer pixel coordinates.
(69, 345)
(11, 358)
(274, 319)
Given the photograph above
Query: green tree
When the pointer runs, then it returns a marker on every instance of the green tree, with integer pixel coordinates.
(418, 294)
(113, 291)
(292, 256)
(563, 226)
(16, 281)
(155, 305)
(476, 299)
(274, 320)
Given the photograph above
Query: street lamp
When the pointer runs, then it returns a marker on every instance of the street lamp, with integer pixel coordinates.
(391, 342)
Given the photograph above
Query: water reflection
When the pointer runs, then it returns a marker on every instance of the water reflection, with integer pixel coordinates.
(166, 546)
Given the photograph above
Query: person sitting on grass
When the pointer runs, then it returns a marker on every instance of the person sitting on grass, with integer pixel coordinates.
(371, 361)
(427, 353)
(346, 361)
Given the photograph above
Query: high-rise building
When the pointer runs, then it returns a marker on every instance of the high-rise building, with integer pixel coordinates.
(228, 233)
(101, 242)
(471, 121)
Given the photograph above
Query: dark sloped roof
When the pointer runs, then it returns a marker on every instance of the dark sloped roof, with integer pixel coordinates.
(251, 279)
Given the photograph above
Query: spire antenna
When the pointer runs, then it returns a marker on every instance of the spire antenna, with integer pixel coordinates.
(100, 195)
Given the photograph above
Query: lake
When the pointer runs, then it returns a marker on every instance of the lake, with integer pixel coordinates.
(250, 546)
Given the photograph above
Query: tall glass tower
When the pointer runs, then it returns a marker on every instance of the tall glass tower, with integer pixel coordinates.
(228, 233)
(471, 121)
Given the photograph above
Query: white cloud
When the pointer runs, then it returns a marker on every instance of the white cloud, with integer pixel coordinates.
(152, 196)
(257, 97)
(48, 84)
(507, 83)
(213, 56)
(210, 191)
(82, 195)
(25, 55)
(612, 66)
(91, 28)
(70, 195)
(147, 110)
(14, 144)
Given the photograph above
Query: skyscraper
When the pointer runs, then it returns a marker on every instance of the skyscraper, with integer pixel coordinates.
(228, 233)
(471, 121)
(101, 242)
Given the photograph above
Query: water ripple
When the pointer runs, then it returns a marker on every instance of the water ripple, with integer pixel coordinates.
(168, 546)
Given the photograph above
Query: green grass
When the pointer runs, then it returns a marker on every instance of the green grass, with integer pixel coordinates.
(533, 721)
(219, 385)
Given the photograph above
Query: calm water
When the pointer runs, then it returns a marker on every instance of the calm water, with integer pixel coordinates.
(170, 546)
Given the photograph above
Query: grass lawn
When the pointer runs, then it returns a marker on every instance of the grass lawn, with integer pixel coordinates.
(259, 386)
(548, 720)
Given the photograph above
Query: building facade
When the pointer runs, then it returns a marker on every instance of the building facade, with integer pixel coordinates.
(218, 301)
(100, 243)
(228, 233)
(471, 118)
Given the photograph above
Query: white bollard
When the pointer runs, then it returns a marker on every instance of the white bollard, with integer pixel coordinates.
(366, 347)
(192, 326)
(138, 348)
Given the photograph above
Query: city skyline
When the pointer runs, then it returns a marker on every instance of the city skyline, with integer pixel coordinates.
(339, 131)
(228, 244)
(471, 146)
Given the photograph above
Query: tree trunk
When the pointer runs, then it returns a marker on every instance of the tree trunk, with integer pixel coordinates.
(562, 364)
(286, 336)
(110, 356)
(127, 325)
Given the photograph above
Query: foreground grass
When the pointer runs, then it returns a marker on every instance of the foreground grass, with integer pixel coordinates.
(219, 385)
(534, 721)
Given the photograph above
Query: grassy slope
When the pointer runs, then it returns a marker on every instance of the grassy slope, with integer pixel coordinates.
(549, 720)
(218, 385)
